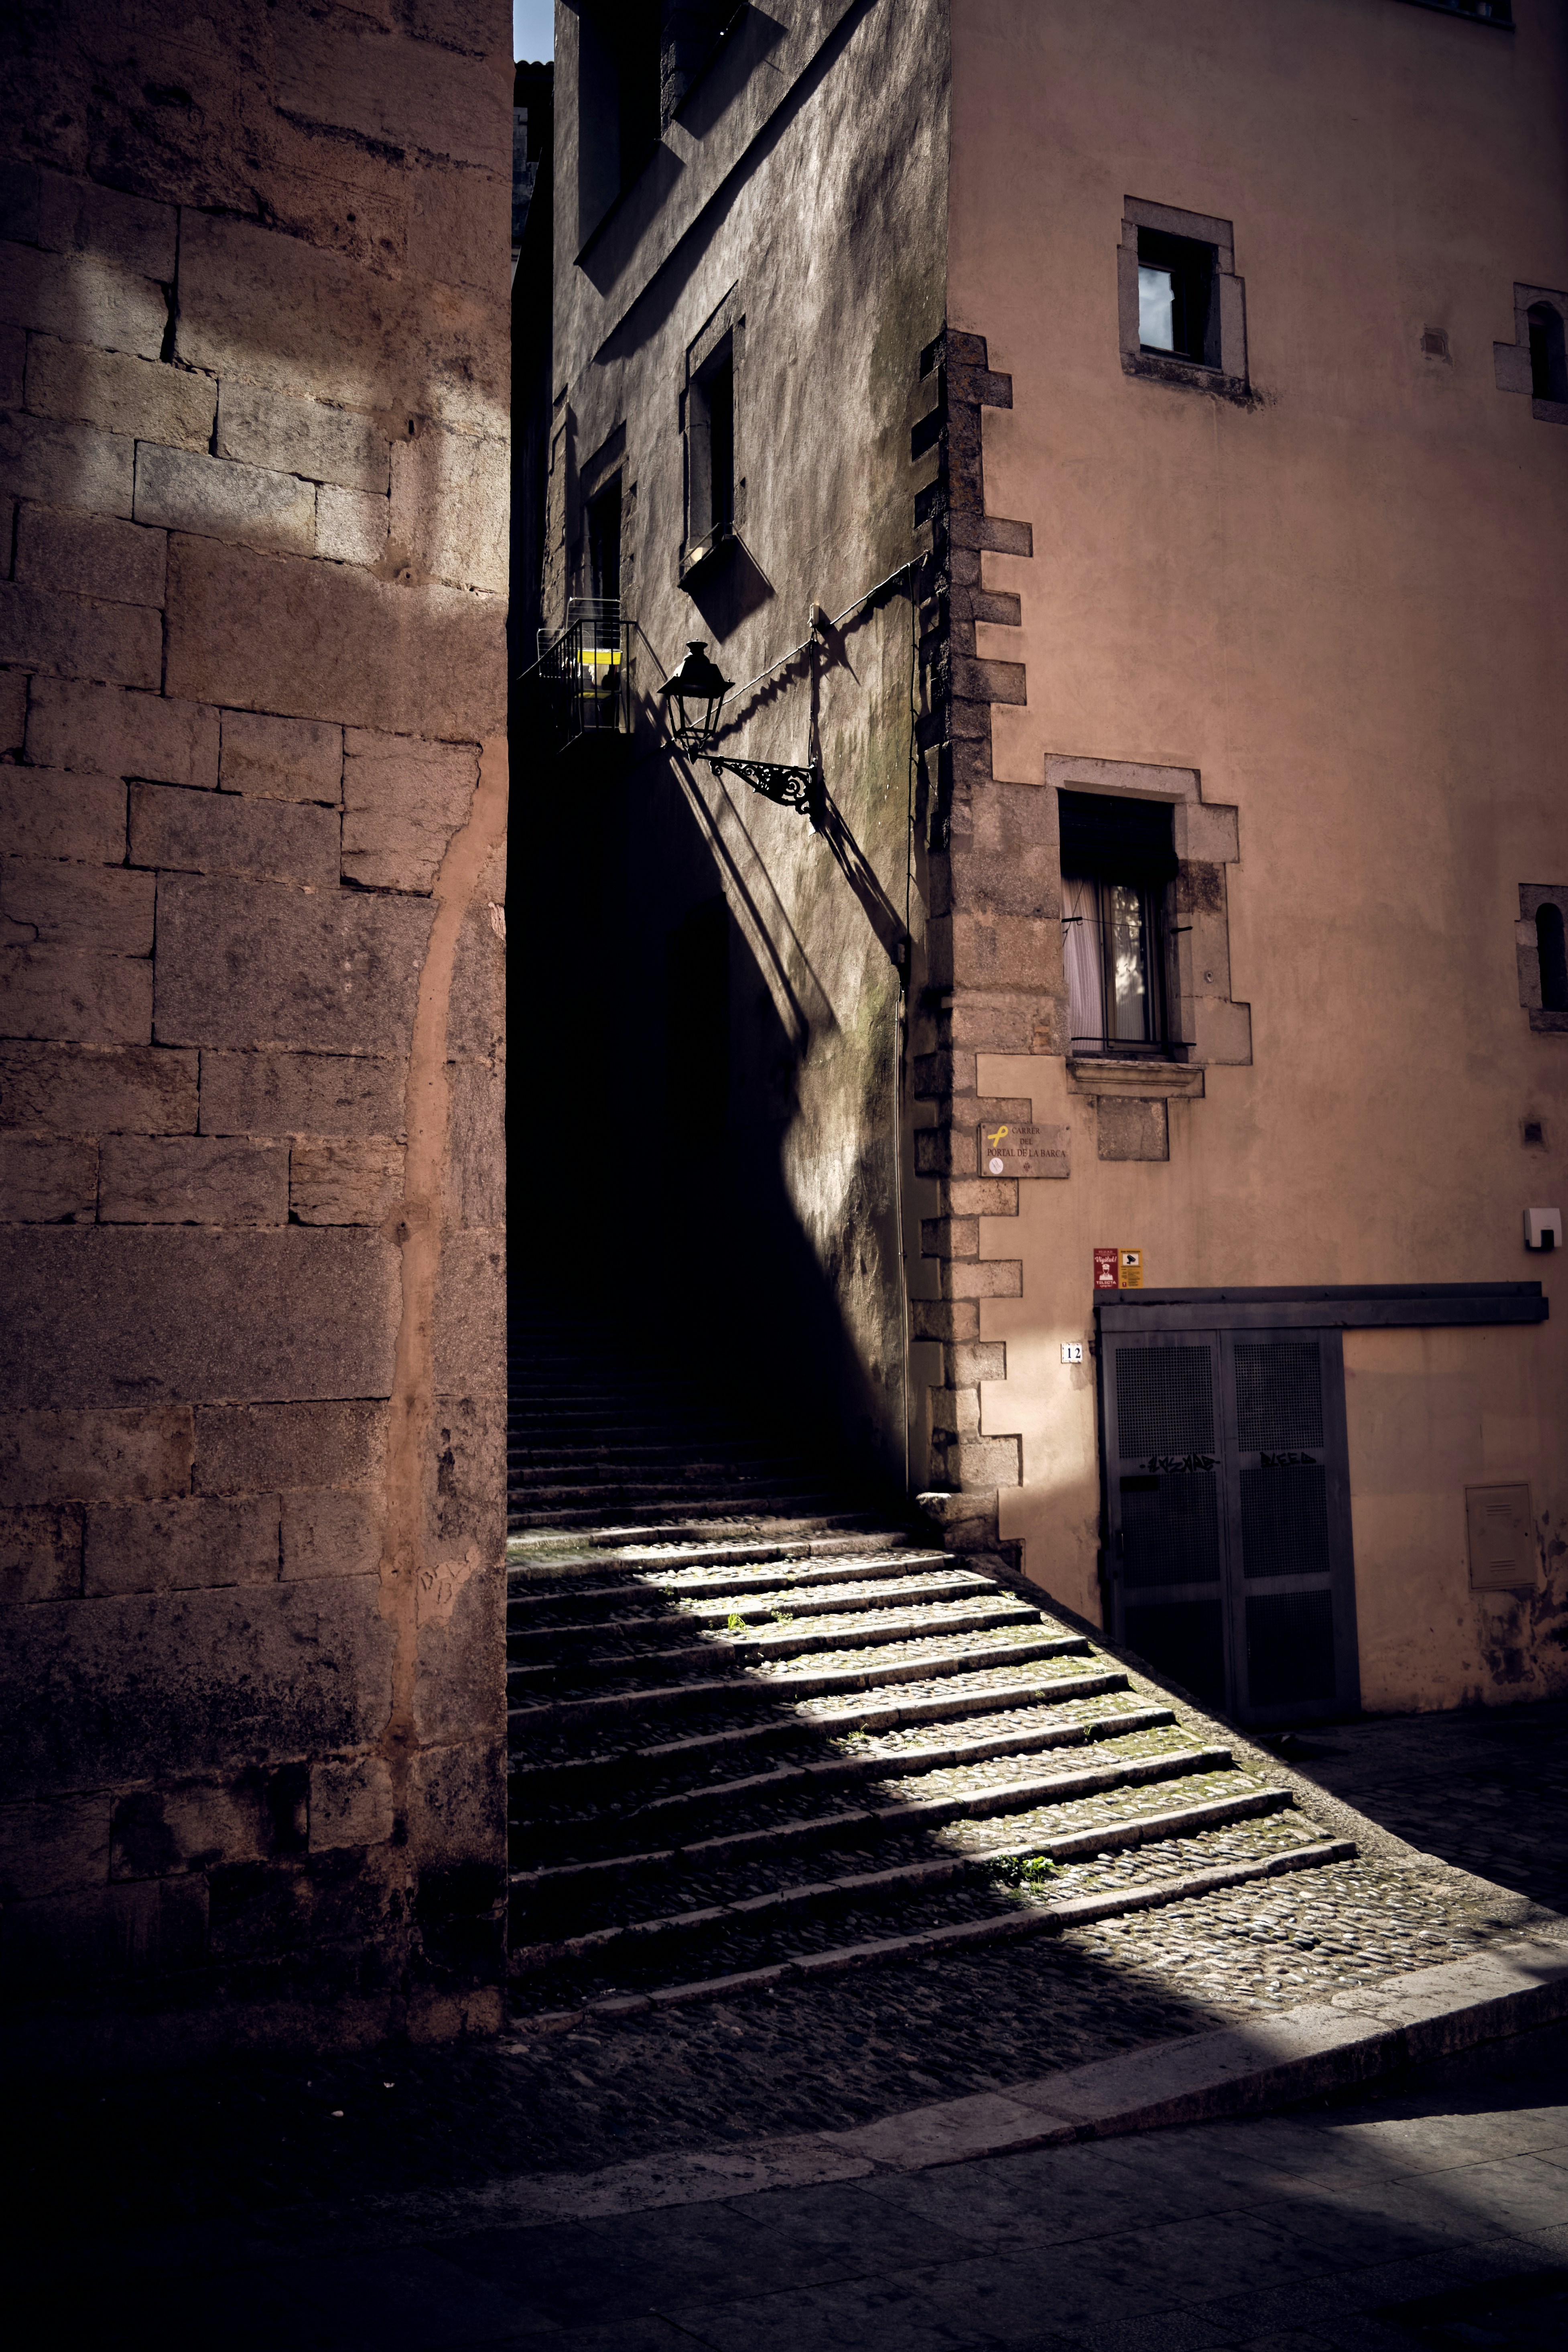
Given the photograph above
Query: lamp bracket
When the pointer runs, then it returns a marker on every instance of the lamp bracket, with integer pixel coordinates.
(791, 788)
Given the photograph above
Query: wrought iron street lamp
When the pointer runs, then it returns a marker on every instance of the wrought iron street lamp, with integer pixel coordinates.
(693, 693)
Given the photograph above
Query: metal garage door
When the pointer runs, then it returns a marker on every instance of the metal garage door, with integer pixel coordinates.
(1228, 1505)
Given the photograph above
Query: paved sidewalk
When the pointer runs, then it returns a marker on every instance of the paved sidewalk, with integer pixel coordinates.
(1437, 2214)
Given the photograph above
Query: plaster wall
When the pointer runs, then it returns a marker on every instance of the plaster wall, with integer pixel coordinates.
(252, 811)
(1341, 603)
(804, 183)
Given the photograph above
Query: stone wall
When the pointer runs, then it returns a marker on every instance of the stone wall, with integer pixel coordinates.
(253, 529)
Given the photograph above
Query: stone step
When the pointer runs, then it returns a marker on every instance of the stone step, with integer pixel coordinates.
(698, 1543)
(886, 1722)
(673, 1472)
(534, 1592)
(1042, 1917)
(815, 1897)
(977, 1799)
(912, 1634)
(1042, 1731)
(759, 1690)
(641, 1606)
(573, 1515)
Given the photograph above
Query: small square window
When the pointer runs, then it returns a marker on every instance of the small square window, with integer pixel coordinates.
(1182, 305)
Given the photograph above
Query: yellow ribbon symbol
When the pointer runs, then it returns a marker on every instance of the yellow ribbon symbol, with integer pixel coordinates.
(996, 1139)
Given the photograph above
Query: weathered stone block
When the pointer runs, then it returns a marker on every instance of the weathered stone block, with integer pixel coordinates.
(89, 555)
(106, 732)
(1206, 831)
(471, 1473)
(402, 800)
(301, 436)
(47, 813)
(1131, 1129)
(13, 711)
(48, 1180)
(52, 1848)
(457, 228)
(408, 94)
(325, 641)
(92, 1090)
(78, 637)
(104, 1936)
(955, 1412)
(470, 1315)
(987, 1360)
(281, 759)
(980, 1461)
(121, 393)
(943, 1319)
(982, 1278)
(240, 965)
(476, 1142)
(218, 498)
(40, 1555)
(77, 215)
(476, 1017)
(1004, 950)
(174, 1546)
(462, 1608)
(263, 1911)
(218, 832)
(171, 1313)
(351, 1803)
(278, 312)
(74, 994)
(301, 1094)
(345, 1183)
(135, 1455)
(450, 502)
(82, 298)
(203, 1824)
(242, 1449)
(193, 1180)
(351, 525)
(13, 366)
(80, 905)
(983, 1196)
(949, 1237)
(331, 1531)
(161, 1685)
(66, 465)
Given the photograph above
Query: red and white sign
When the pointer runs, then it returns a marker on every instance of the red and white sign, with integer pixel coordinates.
(1107, 1273)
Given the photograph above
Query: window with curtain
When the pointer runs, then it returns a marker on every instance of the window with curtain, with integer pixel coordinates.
(1117, 863)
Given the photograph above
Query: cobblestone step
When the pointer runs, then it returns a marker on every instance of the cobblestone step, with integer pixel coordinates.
(604, 1609)
(757, 1726)
(812, 1813)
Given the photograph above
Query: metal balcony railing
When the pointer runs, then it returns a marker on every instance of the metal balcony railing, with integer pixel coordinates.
(578, 684)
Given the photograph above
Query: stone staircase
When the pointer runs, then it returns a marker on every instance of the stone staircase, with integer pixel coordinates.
(758, 1729)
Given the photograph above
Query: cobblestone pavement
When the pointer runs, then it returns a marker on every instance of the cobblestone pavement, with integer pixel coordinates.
(1484, 1788)
(1436, 2213)
(253, 2136)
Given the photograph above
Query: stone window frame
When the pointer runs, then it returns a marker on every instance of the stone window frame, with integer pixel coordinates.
(726, 326)
(1206, 838)
(1532, 895)
(1511, 362)
(1229, 379)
